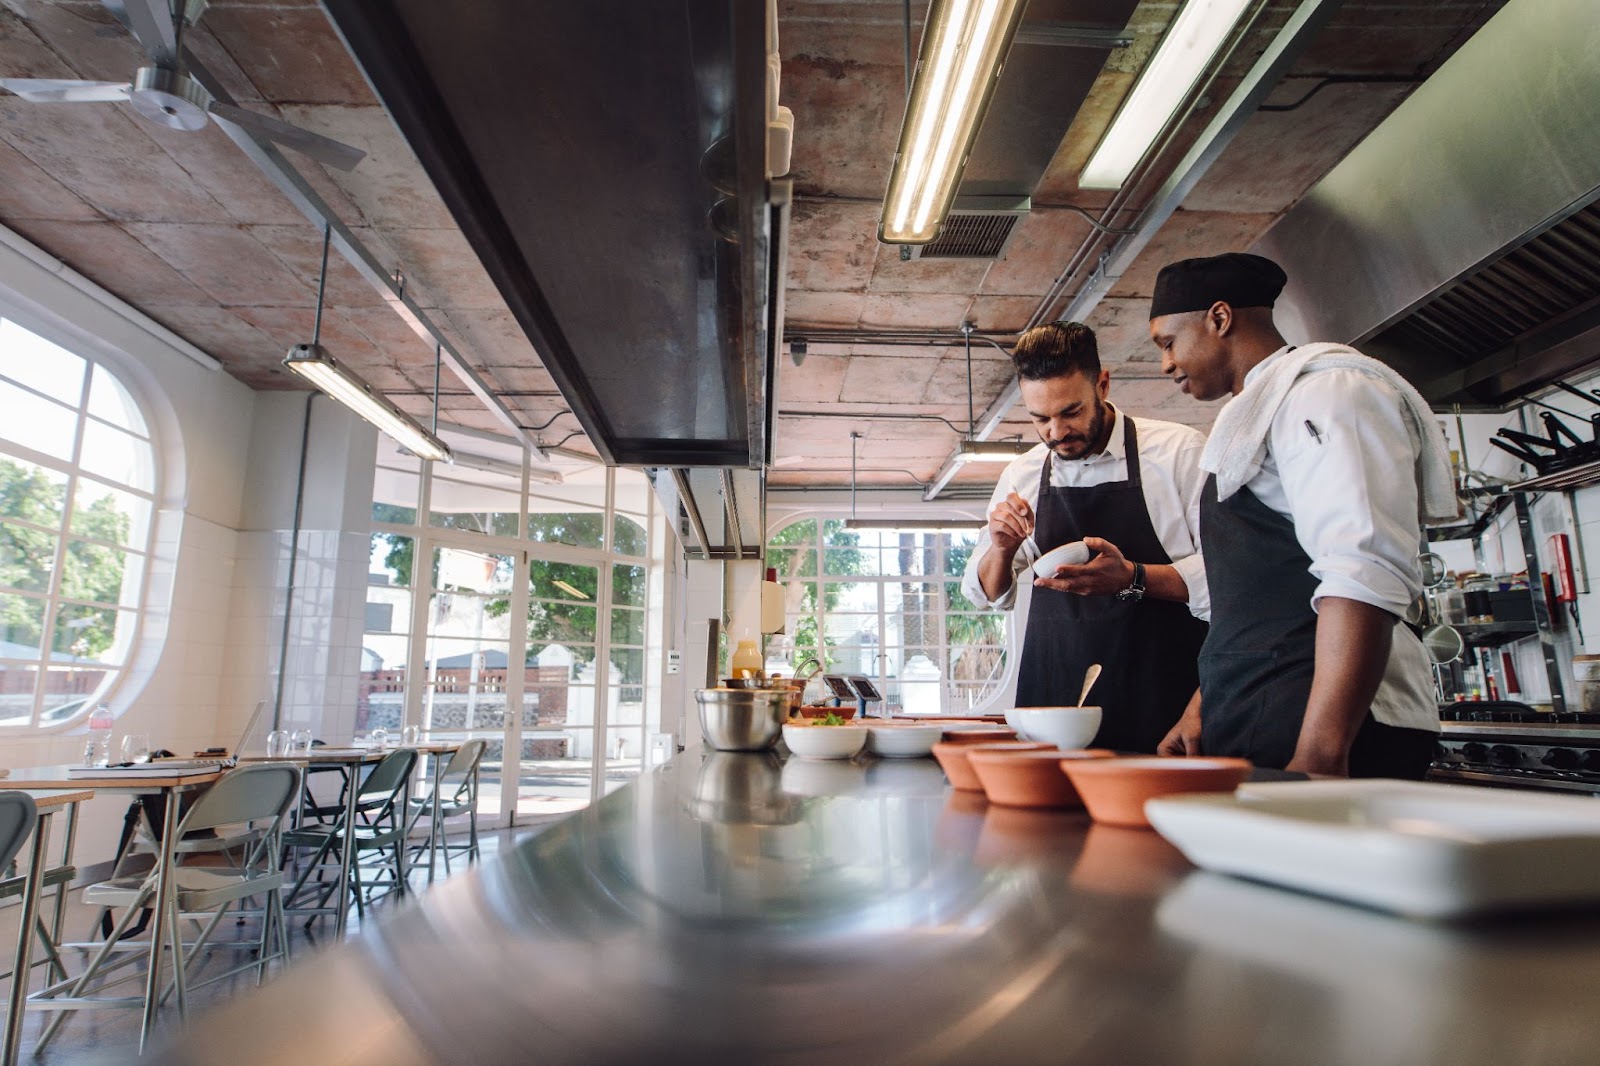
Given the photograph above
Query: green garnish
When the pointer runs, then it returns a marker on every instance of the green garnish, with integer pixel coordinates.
(831, 719)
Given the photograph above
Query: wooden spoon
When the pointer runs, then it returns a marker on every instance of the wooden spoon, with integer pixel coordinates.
(1090, 676)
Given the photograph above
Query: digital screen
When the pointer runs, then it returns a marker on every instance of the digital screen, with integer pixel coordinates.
(839, 686)
(864, 688)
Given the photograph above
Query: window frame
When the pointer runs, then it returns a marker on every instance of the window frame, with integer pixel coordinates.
(138, 550)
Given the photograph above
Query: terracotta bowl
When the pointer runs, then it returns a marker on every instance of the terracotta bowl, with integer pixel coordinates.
(1114, 790)
(1028, 778)
(817, 710)
(978, 733)
(953, 758)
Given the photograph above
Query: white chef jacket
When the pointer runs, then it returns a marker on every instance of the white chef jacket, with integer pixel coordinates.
(1341, 465)
(1169, 467)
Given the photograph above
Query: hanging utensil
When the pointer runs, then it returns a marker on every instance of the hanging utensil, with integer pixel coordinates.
(1444, 644)
(1090, 676)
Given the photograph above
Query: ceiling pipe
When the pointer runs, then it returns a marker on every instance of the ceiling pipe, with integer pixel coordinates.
(282, 173)
(1297, 34)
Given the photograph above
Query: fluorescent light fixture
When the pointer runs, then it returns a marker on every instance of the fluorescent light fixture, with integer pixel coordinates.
(963, 46)
(312, 362)
(1187, 49)
(575, 593)
(913, 525)
(990, 451)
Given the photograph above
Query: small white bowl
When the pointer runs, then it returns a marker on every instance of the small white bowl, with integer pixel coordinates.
(1074, 554)
(824, 741)
(1068, 728)
(903, 741)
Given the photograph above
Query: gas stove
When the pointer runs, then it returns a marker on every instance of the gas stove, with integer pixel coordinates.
(1513, 746)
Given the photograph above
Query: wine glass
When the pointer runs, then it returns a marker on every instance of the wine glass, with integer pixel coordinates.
(378, 738)
(136, 748)
(277, 743)
(410, 735)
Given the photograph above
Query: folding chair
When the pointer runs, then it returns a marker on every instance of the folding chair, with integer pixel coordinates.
(458, 794)
(18, 816)
(256, 796)
(380, 827)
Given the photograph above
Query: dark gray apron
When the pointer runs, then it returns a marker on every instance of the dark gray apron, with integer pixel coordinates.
(1148, 649)
(1258, 659)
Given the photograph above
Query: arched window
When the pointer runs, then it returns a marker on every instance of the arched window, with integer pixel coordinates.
(77, 490)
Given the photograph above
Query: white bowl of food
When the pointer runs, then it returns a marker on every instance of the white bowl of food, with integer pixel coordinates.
(908, 741)
(1067, 728)
(1074, 554)
(824, 741)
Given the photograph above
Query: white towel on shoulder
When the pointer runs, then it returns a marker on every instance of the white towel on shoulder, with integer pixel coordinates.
(1238, 442)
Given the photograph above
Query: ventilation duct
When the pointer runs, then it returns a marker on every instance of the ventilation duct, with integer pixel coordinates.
(978, 227)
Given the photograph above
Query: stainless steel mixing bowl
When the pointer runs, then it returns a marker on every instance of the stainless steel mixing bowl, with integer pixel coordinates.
(742, 719)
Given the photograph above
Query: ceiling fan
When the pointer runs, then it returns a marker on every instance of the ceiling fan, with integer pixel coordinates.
(165, 93)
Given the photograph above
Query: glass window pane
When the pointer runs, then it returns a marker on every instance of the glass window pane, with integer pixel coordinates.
(98, 573)
(632, 492)
(628, 536)
(481, 501)
(850, 596)
(391, 560)
(553, 661)
(459, 701)
(850, 561)
(388, 610)
(627, 626)
(958, 548)
(35, 422)
(562, 522)
(985, 630)
(69, 692)
(793, 562)
(40, 365)
(17, 684)
(31, 493)
(26, 558)
(563, 581)
(395, 484)
(104, 513)
(110, 401)
(801, 534)
(457, 570)
(954, 600)
(94, 634)
(628, 585)
(21, 628)
(853, 643)
(117, 456)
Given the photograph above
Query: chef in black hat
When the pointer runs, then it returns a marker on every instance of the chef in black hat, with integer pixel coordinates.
(1129, 489)
(1321, 468)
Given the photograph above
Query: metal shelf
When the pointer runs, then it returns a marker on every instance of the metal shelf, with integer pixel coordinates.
(1491, 634)
(1562, 480)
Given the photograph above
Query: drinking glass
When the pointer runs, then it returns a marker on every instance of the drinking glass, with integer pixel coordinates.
(277, 743)
(300, 742)
(410, 735)
(378, 738)
(136, 748)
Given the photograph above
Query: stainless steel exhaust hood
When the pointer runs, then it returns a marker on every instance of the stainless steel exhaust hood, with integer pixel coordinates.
(606, 161)
(1457, 241)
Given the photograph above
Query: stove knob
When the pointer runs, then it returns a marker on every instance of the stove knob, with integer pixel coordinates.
(1561, 759)
(1504, 755)
(1590, 762)
(1474, 752)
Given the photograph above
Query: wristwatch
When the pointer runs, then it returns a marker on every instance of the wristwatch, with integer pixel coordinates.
(1134, 592)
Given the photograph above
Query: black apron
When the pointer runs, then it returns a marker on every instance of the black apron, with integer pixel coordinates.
(1258, 660)
(1148, 649)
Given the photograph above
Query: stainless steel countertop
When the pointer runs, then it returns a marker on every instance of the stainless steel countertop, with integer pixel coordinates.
(731, 908)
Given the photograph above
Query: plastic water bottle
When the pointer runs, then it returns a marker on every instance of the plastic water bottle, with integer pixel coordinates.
(97, 752)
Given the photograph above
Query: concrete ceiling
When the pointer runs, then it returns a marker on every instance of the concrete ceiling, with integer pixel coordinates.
(182, 225)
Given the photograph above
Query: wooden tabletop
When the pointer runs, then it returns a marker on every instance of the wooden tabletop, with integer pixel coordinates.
(56, 778)
(48, 800)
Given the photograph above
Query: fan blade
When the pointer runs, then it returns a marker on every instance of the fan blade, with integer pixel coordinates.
(323, 149)
(151, 22)
(64, 91)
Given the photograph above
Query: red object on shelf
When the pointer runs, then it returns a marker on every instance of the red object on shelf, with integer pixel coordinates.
(1561, 563)
(1509, 668)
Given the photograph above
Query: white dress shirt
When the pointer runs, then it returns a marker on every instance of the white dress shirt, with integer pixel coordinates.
(1341, 465)
(1169, 467)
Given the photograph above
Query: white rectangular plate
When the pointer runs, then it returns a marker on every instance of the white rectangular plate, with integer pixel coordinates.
(1427, 850)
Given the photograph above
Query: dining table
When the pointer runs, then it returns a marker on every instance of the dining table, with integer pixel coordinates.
(46, 806)
(761, 909)
(145, 781)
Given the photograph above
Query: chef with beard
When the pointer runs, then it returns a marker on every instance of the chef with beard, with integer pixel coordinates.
(1130, 490)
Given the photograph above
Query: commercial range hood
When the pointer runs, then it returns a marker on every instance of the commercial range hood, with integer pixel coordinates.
(606, 160)
(1460, 241)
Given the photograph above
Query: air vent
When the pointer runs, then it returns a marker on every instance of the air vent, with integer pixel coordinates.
(1552, 275)
(978, 227)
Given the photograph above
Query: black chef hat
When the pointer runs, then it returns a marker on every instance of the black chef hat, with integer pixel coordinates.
(1236, 278)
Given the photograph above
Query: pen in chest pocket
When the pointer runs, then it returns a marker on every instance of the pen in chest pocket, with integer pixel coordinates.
(1311, 428)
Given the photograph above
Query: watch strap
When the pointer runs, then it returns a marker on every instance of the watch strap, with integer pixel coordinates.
(1135, 590)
